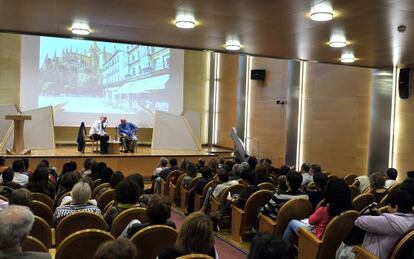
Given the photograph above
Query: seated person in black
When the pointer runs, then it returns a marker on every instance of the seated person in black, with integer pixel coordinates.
(8, 186)
(316, 189)
(207, 174)
(158, 211)
(249, 181)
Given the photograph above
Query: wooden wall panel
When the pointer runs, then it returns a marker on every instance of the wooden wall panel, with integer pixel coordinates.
(267, 120)
(10, 45)
(336, 117)
(227, 98)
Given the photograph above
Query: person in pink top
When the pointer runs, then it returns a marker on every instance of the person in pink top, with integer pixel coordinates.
(337, 199)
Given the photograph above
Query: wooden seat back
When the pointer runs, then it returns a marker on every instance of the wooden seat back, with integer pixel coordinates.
(42, 210)
(122, 219)
(267, 186)
(217, 203)
(61, 198)
(37, 196)
(350, 178)
(253, 204)
(404, 248)
(362, 200)
(198, 199)
(354, 190)
(41, 231)
(195, 256)
(96, 183)
(32, 244)
(175, 189)
(105, 198)
(98, 189)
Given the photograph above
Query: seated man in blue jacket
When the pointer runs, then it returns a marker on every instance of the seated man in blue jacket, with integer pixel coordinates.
(127, 131)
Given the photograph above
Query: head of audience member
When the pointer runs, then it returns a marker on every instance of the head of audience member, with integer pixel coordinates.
(26, 164)
(139, 180)
(103, 119)
(127, 192)
(315, 168)
(18, 166)
(320, 180)
(163, 162)
(337, 196)
(248, 177)
(191, 169)
(81, 193)
(159, 210)
(304, 168)
(196, 225)
(15, 224)
(2, 161)
(207, 172)
(400, 201)
(235, 171)
(252, 160)
(69, 166)
(392, 173)
(123, 121)
(228, 165)
(22, 197)
(88, 180)
(223, 177)
(106, 174)
(173, 162)
(42, 165)
(88, 163)
(120, 248)
(294, 180)
(213, 164)
(45, 162)
(268, 246)
(262, 172)
(284, 170)
(266, 161)
(69, 180)
(7, 175)
(116, 177)
(201, 163)
(39, 178)
(408, 186)
(376, 181)
(282, 185)
(183, 165)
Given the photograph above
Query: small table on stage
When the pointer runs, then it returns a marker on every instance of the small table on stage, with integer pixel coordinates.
(18, 141)
(114, 147)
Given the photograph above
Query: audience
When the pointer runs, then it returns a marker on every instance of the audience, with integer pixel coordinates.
(306, 176)
(222, 182)
(207, 174)
(249, 181)
(68, 198)
(191, 173)
(87, 166)
(408, 186)
(377, 186)
(26, 170)
(162, 165)
(120, 248)
(15, 225)
(7, 186)
(362, 182)
(391, 179)
(81, 194)
(316, 191)
(196, 236)
(39, 182)
(268, 246)
(18, 169)
(22, 197)
(173, 166)
(66, 184)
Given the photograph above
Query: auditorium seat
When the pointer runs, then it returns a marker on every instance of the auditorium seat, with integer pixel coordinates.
(184, 192)
(61, 198)
(292, 209)
(164, 184)
(242, 220)
(384, 201)
(3, 198)
(82, 244)
(362, 253)
(199, 198)
(41, 230)
(96, 183)
(109, 205)
(394, 187)
(122, 220)
(42, 210)
(32, 244)
(362, 200)
(105, 198)
(152, 240)
(217, 203)
(98, 188)
(37, 196)
(311, 247)
(78, 221)
(195, 256)
(267, 186)
(350, 178)
(354, 190)
(174, 196)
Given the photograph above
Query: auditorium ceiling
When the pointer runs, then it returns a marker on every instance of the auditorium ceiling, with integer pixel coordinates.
(271, 28)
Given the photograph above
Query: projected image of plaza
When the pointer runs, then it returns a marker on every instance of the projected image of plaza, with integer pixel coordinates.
(98, 77)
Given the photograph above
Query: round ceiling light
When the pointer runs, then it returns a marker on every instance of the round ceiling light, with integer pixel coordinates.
(185, 22)
(80, 29)
(321, 13)
(232, 45)
(338, 42)
(347, 58)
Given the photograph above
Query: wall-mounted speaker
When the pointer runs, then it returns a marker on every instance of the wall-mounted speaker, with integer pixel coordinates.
(258, 74)
(404, 83)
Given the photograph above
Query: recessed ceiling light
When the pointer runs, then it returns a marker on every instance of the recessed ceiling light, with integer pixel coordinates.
(185, 21)
(338, 41)
(80, 29)
(347, 58)
(321, 12)
(232, 45)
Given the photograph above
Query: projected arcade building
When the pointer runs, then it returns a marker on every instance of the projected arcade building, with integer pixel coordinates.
(130, 77)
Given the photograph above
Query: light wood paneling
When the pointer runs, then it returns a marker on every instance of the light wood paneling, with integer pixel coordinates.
(336, 117)
(227, 98)
(10, 68)
(267, 120)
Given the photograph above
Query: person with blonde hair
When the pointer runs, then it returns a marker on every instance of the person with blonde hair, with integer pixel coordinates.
(196, 236)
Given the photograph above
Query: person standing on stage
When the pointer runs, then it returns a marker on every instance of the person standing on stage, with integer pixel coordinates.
(97, 132)
(126, 131)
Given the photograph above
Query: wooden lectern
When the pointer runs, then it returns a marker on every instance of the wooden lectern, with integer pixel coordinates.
(18, 141)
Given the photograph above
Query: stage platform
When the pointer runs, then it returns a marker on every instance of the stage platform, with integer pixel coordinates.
(143, 161)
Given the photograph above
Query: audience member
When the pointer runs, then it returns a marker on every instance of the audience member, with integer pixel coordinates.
(68, 198)
(66, 184)
(2, 164)
(392, 174)
(22, 197)
(39, 182)
(26, 170)
(316, 191)
(162, 165)
(173, 166)
(106, 174)
(223, 182)
(362, 182)
(195, 236)
(252, 161)
(96, 170)
(87, 166)
(282, 185)
(120, 248)
(207, 174)
(268, 246)
(306, 176)
(249, 181)
(7, 186)
(262, 173)
(116, 178)
(377, 185)
(19, 177)
(408, 186)
(69, 166)
(191, 173)
(15, 225)
(201, 163)
(284, 170)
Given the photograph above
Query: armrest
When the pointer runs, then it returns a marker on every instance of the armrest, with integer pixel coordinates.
(237, 222)
(308, 245)
(362, 253)
(266, 224)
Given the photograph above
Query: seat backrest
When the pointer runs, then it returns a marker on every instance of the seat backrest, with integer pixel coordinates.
(61, 198)
(171, 175)
(82, 244)
(350, 178)
(109, 205)
(96, 183)
(152, 240)
(194, 181)
(205, 189)
(404, 248)
(253, 203)
(267, 186)
(335, 232)
(354, 190)
(394, 187)
(383, 201)
(105, 198)
(42, 210)
(32, 244)
(235, 189)
(362, 200)
(292, 209)
(195, 256)
(37, 196)
(123, 219)
(178, 185)
(98, 189)
(42, 231)
(78, 221)
(3, 198)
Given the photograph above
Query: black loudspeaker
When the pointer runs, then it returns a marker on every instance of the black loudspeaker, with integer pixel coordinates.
(258, 74)
(404, 83)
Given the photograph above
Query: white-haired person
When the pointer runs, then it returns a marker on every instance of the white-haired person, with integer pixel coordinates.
(15, 225)
(126, 131)
(97, 132)
(81, 194)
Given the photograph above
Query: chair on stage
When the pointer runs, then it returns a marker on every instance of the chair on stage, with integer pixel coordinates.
(42, 210)
(124, 218)
(32, 244)
(41, 230)
(87, 139)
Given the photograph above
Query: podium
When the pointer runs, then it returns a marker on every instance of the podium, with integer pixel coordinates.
(18, 141)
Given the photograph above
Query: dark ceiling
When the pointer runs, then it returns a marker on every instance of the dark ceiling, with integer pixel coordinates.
(271, 28)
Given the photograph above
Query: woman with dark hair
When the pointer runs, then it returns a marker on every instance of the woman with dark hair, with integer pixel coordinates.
(337, 199)
(39, 182)
(69, 166)
(268, 246)
(115, 179)
(191, 173)
(66, 184)
(96, 170)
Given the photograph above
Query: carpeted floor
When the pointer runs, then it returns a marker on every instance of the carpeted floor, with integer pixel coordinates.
(225, 250)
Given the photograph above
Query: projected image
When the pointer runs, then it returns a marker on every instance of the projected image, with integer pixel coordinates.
(99, 77)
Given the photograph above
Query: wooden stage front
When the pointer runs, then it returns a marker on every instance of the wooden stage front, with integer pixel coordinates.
(143, 161)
